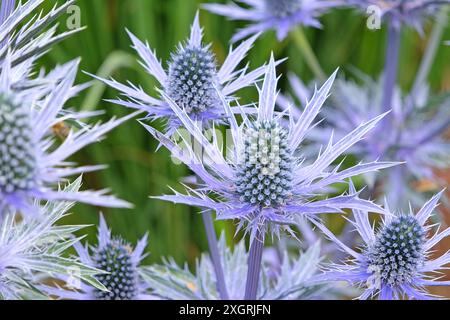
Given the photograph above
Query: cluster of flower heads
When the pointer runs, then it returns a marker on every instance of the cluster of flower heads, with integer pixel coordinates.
(267, 178)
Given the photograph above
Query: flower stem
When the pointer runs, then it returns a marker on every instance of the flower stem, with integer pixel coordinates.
(254, 267)
(308, 54)
(391, 65)
(215, 256)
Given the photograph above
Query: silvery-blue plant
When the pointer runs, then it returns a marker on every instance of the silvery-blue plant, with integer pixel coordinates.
(34, 250)
(33, 163)
(395, 261)
(264, 182)
(279, 15)
(191, 80)
(290, 281)
(119, 262)
(24, 37)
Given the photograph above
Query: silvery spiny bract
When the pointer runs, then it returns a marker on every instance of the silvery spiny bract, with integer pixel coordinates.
(192, 80)
(395, 261)
(120, 263)
(33, 250)
(263, 182)
(290, 280)
(26, 38)
(32, 162)
(280, 15)
(412, 133)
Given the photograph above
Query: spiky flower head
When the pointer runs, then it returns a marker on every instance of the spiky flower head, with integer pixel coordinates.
(263, 182)
(412, 133)
(289, 281)
(192, 79)
(32, 160)
(280, 15)
(120, 263)
(32, 251)
(399, 12)
(395, 260)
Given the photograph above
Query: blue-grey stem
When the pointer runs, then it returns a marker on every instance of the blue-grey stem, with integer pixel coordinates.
(428, 58)
(215, 255)
(254, 267)
(391, 65)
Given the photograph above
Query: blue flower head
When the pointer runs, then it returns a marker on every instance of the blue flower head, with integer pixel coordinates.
(264, 181)
(192, 79)
(32, 161)
(395, 261)
(120, 263)
(280, 15)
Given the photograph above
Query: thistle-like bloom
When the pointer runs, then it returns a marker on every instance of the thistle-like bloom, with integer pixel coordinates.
(33, 250)
(411, 12)
(32, 162)
(395, 261)
(412, 133)
(265, 181)
(191, 80)
(26, 38)
(290, 281)
(120, 263)
(280, 15)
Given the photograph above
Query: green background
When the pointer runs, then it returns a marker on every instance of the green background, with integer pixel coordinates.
(135, 170)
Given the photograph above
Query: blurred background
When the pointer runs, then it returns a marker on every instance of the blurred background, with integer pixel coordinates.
(135, 170)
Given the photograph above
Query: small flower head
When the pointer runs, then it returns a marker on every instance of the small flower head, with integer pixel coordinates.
(120, 263)
(32, 161)
(281, 15)
(395, 260)
(265, 183)
(192, 80)
(122, 278)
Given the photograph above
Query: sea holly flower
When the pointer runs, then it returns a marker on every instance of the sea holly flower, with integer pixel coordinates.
(265, 181)
(26, 38)
(32, 163)
(33, 250)
(413, 134)
(290, 281)
(411, 12)
(395, 261)
(118, 260)
(280, 15)
(191, 80)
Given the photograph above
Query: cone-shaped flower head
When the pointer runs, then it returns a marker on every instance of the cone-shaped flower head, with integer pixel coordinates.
(118, 260)
(192, 80)
(264, 182)
(280, 15)
(32, 161)
(395, 260)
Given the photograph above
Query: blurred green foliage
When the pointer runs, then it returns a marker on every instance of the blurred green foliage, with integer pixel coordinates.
(135, 170)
